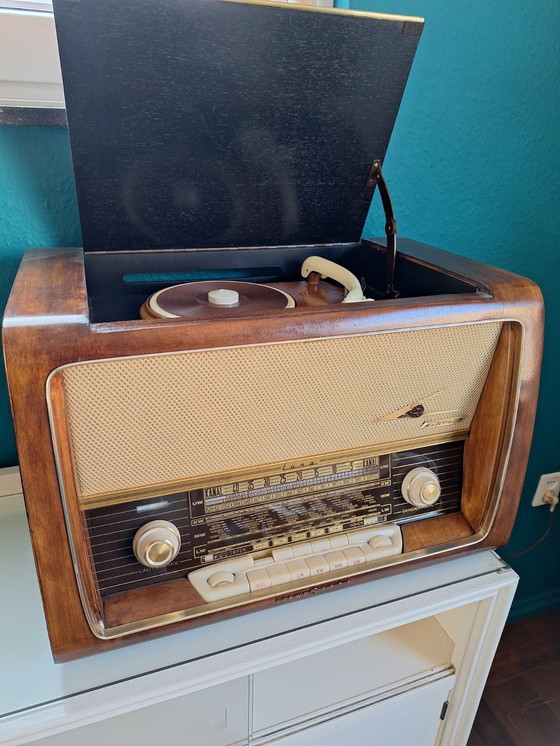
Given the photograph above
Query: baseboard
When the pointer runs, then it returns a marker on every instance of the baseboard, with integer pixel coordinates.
(536, 603)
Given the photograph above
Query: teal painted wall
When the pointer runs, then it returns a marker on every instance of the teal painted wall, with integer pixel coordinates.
(37, 208)
(472, 168)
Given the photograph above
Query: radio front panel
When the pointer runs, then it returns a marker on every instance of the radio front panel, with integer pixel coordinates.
(195, 470)
(279, 509)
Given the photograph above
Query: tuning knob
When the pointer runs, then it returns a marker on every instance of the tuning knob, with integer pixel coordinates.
(156, 543)
(421, 487)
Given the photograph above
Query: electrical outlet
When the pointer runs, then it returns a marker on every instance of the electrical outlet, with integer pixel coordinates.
(546, 482)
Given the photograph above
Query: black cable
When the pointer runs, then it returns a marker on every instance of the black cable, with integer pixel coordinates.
(537, 542)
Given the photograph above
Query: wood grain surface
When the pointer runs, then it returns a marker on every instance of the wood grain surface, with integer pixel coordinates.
(47, 325)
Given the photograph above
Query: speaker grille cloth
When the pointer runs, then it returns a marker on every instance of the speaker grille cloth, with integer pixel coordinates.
(151, 419)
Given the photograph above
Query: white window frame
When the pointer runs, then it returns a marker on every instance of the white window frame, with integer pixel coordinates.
(29, 66)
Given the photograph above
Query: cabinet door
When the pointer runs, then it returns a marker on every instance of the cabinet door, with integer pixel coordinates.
(372, 669)
(214, 717)
(409, 718)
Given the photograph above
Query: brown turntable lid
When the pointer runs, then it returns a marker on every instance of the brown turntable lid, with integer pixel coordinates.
(204, 123)
(203, 299)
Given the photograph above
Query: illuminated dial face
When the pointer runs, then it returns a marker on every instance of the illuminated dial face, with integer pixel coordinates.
(293, 482)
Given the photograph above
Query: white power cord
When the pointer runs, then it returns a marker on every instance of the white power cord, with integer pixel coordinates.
(551, 498)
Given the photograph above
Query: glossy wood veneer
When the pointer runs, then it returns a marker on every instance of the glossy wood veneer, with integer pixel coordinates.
(47, 325)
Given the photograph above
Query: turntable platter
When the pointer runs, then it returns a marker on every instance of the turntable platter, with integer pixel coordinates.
(214, 298)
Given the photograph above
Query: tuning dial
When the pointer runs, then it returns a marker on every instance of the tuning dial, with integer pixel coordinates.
(156, 544)
(421, 487)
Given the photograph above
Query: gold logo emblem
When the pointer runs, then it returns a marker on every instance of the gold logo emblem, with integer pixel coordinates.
(417, 409)
(414, 410)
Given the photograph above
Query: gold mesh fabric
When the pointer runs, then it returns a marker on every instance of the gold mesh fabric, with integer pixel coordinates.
(152, 419)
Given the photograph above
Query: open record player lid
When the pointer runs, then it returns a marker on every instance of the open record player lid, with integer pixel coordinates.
(217, 123)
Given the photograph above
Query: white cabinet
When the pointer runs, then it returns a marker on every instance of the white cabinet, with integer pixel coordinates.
(210, 717)
(356, 681)
(394, 661)
(411, 718)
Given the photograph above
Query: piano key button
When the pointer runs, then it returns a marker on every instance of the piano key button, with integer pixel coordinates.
(338, 541)
(301, 550)
(298, 569)
(282, 553)
(336, 560)
(258, 579)
(318, 546)
(263, 561)
(317, 564)
(278, 574)
(354, 555)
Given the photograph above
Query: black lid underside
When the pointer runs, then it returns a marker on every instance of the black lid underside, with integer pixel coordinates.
(207, 123)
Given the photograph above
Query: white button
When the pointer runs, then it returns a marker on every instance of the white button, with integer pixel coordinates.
(223, 297)
(380, 541)
(258, 579)
(263, 562)
(317, 564)
(278, 574)
(341, 540)
(320, 545)
(300, 550)
(354, 555)
(336, 560)
(370, 553)
(221, 578)
(282, 553)
(361, 535)
(298, 569)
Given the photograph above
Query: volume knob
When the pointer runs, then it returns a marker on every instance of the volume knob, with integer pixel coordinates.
(421, 487)
(156, 543)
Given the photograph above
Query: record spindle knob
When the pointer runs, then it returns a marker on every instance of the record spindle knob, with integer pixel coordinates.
(156, 543)
(223, 297)
(421, 487)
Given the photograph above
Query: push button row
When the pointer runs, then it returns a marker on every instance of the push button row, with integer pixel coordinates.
(296, 562)
(316, 564)
(317, 546)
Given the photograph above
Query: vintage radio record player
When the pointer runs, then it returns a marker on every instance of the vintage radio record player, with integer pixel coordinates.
(229, 398)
